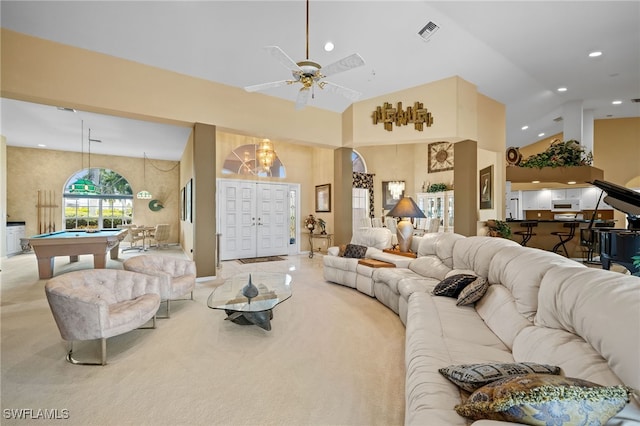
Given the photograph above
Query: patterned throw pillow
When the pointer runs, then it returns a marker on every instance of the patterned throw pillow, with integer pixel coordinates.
(541, 399)
(453, 285)
(355, 251)
(473, 292)
(473, 376)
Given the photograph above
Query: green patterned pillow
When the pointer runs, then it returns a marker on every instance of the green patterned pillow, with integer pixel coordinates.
(473, 376)
(542, 399)
(473, 292)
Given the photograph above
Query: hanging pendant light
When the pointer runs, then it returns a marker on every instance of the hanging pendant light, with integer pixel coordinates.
(144, 194)
(84, 186)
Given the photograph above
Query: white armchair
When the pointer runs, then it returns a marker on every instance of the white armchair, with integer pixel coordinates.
(177, 276)
(101, 303)
(161, 235)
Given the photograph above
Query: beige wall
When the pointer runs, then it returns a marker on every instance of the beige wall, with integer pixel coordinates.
(3, 195)
(30, 170)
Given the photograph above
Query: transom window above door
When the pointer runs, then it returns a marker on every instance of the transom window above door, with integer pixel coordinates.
(242, 161)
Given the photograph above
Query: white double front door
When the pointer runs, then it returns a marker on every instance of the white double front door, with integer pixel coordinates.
(253, 219)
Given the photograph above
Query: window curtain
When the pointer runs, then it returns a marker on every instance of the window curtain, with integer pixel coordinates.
(365, 181)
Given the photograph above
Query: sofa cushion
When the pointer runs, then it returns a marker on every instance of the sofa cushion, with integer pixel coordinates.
(429, 266)
(453, 285)
(471, 377)
(379, 238)
(473, 292)
(355, 251)
(542, 399)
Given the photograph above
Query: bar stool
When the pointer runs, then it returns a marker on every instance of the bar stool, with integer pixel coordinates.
(565, 236)
(528, 232)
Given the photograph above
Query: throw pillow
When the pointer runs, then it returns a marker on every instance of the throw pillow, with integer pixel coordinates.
(453, 285)
(355, 251)
(473, 376)
(542, 399)
(473, 292)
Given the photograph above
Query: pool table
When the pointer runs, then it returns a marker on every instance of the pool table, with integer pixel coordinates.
(73, 244)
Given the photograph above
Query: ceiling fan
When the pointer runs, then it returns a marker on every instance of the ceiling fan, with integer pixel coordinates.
(311, 74)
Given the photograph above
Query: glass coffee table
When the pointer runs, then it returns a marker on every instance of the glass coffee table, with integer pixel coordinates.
(249, 298)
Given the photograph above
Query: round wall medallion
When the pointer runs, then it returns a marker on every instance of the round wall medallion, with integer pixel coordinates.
(513, 156)
(155, 205)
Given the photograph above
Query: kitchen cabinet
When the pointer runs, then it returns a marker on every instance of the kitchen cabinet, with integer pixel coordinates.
(536, 200)
(589, 199)
(541, 200)
(14, 234)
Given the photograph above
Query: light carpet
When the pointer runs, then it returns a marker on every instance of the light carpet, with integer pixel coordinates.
(333, 357)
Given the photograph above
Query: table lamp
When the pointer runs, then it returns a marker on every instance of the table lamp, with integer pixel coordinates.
(405, 209)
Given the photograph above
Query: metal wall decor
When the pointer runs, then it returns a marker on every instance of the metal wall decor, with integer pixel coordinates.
(416, 115)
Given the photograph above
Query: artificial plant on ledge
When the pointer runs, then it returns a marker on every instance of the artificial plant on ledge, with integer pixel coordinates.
(560, 154)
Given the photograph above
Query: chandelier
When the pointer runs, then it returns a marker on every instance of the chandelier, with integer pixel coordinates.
(265, 155)
(396, 188)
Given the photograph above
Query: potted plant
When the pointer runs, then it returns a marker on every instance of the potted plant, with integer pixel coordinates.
(499, 228)
(560, 154)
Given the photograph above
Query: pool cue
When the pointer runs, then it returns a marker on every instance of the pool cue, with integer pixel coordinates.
(49, 210)
(54, 212)
(39, 219)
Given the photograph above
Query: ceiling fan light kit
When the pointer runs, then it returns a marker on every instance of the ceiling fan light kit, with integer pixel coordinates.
(311, 74)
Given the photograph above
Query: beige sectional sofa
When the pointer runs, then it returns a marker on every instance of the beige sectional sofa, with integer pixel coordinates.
(539, 307)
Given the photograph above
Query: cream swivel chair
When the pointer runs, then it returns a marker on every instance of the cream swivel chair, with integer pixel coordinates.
(376, 222)
(177, 276)
(134, 234)
(161, 235)
(101, 303)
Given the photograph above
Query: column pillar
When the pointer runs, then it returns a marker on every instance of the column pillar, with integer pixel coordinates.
(343, 183)
(587, 130)
(572, 120)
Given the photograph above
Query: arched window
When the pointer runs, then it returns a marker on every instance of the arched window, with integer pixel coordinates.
(358, 163)
(97, 198)
(242, 161)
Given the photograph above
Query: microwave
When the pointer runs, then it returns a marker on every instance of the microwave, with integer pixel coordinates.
(565, 205)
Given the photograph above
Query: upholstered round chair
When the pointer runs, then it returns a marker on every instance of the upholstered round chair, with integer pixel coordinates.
(177, 276)
(101, 303)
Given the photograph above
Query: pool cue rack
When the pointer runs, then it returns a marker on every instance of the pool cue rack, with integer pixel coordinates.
(46, 211)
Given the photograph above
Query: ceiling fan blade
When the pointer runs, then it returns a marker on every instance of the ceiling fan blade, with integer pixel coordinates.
(303, 98)
(263, 86)
(350, 94)
(344, 64)
(282, 57)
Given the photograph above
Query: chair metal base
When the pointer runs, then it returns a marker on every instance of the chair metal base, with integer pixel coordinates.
(103, 350)
(169, 307)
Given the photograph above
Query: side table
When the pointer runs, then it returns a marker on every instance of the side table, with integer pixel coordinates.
(313, 236)
(373, 263)
(401, 253)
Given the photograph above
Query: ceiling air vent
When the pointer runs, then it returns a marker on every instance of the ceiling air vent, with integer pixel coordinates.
(428, 30)
(557, 119)
(636, 100)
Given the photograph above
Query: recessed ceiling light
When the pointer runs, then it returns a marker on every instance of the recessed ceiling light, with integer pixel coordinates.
(41, 145)
(572, 182)
(562, 89)
(328, 46)
(616, 102)
(525, 127)
(595, 54)
(535, 181)
(540, 135)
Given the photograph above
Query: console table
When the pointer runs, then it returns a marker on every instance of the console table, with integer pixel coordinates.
(313, 236)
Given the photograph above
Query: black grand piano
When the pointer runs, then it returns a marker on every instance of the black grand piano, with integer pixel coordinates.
(620, 245)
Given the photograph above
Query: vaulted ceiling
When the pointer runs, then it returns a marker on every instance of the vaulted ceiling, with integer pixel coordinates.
(517, 52)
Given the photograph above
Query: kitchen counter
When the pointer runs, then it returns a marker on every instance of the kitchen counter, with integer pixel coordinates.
(543, 239)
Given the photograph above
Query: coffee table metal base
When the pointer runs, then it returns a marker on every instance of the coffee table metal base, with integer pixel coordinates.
(262, 318)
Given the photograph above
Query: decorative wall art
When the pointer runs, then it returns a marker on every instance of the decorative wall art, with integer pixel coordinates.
(486, 188)
(187, 203)
(388, 202)
(440, 157)
(323, 198)
(182, 211)
(417, 115)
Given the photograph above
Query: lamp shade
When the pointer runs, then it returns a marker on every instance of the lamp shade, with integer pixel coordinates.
(82, 186)
(406, 207)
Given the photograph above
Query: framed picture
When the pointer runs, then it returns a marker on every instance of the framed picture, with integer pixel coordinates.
(486, 188)
(387, 199)
(187, 201)
(323, 198)
(182, 215)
